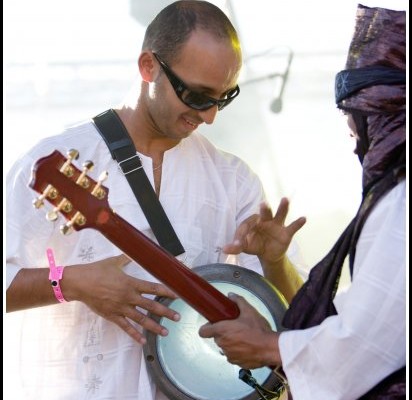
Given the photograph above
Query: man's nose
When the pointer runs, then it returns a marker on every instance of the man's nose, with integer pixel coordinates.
(209, 115)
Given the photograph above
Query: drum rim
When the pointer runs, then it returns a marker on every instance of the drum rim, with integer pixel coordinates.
(223, 273)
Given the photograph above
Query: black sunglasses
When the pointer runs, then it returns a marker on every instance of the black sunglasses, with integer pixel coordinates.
(193, 99)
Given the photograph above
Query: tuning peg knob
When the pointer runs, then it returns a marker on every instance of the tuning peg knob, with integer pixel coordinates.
(88, 165)
(98, 191)
(78, 219)
(37, 203)
(52, 216)
(67, 168)
(82, 180)
(64, 206)
(103, 176)
(72, 154)
(66, 229)
(50, 192)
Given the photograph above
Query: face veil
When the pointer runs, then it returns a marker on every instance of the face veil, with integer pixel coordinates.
(373, 89)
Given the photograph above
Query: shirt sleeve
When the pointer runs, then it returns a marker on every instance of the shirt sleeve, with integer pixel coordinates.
(28, 232)
(351, 352)
(19, 217)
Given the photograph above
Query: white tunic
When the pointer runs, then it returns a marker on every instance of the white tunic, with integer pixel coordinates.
(351, 352)
(67, 351)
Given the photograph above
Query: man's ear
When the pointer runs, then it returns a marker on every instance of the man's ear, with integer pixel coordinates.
(147, 66)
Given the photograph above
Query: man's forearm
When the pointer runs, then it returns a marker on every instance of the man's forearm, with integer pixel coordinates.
(284, 276)
(30, 288)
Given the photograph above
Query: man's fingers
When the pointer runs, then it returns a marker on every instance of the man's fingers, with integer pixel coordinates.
(239, 241)
(282, 211)
(146, 322)
(243, 230)
(134, 333)
(240, 301)
(233, 248)
(158, 309)
(157, 289)
(265, 212)
(296, 225)
(206, 331)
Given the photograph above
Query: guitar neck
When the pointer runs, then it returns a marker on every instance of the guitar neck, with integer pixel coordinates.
(64, 184)
(192, 288)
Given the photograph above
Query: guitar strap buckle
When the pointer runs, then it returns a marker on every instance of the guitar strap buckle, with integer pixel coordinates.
(133, 163)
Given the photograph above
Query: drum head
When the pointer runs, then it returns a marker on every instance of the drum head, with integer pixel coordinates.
(186, 366)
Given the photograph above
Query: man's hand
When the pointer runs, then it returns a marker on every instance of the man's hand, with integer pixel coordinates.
(248, 340)
(265, 235)
(114, 295)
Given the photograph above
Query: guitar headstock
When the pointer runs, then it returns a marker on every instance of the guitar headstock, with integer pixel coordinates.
(75, 195)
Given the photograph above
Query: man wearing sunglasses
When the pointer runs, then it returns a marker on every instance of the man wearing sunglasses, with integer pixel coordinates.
(193, 99)
(88, 343)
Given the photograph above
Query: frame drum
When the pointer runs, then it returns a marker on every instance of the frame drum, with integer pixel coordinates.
(188, 367)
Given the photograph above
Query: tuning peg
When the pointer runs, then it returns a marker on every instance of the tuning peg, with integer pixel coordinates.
(66, 229)
(50, 192)
(64, 206)
(98, 191)
(72, 154)
(82, 180)
(103, 176)
(88, 165)
(78, 219)
(66, 168)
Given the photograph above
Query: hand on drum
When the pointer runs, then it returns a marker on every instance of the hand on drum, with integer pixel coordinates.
(247, 341)
(118, 297)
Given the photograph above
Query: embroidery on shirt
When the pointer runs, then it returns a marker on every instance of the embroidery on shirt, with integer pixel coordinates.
(93, 384)
(92, 335)
(86, 253)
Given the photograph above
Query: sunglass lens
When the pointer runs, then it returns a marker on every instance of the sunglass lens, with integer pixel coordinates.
(197, 100)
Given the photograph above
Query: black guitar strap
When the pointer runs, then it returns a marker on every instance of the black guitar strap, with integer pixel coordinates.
(123, 151)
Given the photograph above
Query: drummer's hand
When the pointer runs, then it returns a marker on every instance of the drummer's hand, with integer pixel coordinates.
(247, 341)
(265, 235)
(118, 297)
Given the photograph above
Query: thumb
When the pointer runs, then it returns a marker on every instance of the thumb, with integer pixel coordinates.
(239, 300)
(206, 330)
(245, 308)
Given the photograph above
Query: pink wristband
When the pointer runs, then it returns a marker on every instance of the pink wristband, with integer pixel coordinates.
(55, 275)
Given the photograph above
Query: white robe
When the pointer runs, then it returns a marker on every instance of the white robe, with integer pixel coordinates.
(351, 352)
